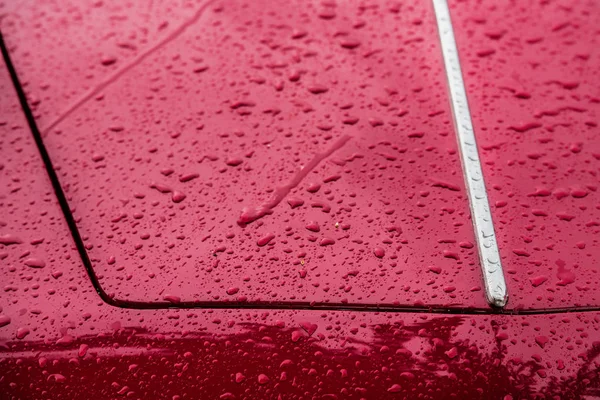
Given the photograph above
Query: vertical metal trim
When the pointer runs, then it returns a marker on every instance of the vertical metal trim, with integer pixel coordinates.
(493, 275)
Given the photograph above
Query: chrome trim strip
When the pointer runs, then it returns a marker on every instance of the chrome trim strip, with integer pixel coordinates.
(489, 257)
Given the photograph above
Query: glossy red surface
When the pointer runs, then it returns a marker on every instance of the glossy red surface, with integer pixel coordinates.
(59, 340)
(239, 158)
(532, 74)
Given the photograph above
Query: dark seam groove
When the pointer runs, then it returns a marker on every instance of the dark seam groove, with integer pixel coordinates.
(62, 200)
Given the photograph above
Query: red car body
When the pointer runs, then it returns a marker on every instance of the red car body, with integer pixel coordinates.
(227, 199)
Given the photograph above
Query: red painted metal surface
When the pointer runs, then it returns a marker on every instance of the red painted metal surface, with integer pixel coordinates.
(58, 339)
(532, 73)
(256, 152)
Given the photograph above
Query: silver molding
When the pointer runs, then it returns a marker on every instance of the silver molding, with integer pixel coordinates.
(489, 257)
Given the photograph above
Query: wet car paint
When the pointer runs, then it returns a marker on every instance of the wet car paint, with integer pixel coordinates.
(243, 160)
(532, 78)
(256, 355)
(59, 340)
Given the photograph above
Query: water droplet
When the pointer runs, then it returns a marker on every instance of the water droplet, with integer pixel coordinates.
(177, 197)
(313, 226)
(452, 353)
(82, 350)
(9, 239)
(188, 177)
(295, 202)
(541, 341)
(263, 379)
(4, 320)
(172, 299)
(379, 252)
(395, 388)
(265, 239)
(34, 263)
(22, 332)
(326, 242)
(232, 291)
(234, 161)
(538, 280)
(317, 88)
